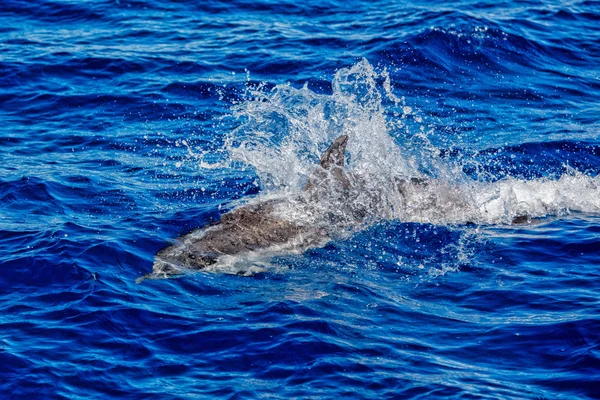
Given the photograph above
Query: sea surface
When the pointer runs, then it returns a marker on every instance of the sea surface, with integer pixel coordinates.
(127, 123)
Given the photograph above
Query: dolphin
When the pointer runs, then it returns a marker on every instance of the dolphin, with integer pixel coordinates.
(341, 201)
(257, 227)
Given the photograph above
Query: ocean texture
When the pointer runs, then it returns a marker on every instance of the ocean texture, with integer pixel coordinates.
(127, 123)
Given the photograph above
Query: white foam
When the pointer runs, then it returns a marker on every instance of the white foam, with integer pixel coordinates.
(502, 201)
(282, 133)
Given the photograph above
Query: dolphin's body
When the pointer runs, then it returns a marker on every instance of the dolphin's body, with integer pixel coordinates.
(256, 227)
(341, 202)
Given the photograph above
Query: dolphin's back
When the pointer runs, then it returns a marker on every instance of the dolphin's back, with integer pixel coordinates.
(249, 228)
(246, 229)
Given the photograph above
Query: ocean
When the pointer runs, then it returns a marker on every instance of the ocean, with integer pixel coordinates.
(128, 123)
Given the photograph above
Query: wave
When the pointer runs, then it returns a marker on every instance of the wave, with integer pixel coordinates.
(475, 46)
(51, 11)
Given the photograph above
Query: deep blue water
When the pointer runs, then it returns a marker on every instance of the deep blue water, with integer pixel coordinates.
(120, 121)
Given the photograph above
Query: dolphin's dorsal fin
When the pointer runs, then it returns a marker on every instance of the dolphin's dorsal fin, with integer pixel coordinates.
(335, 154)
(331, 166)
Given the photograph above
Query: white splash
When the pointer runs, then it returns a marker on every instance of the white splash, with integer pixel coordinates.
(502, 201)
(282, 133)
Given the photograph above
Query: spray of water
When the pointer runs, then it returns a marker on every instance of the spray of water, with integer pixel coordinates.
(281, 134)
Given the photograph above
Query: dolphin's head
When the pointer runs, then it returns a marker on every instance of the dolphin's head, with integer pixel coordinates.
(176, 259)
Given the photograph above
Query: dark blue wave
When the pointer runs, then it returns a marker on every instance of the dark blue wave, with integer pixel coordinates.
(50, 11)
(528, 160)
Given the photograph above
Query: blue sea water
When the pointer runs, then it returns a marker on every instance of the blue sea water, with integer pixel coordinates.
(127, 123)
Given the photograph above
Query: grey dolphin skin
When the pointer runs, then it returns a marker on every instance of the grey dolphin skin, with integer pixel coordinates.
(251, 227)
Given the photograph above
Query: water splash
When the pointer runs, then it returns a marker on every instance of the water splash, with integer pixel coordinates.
(505, 200)
(281, 134)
